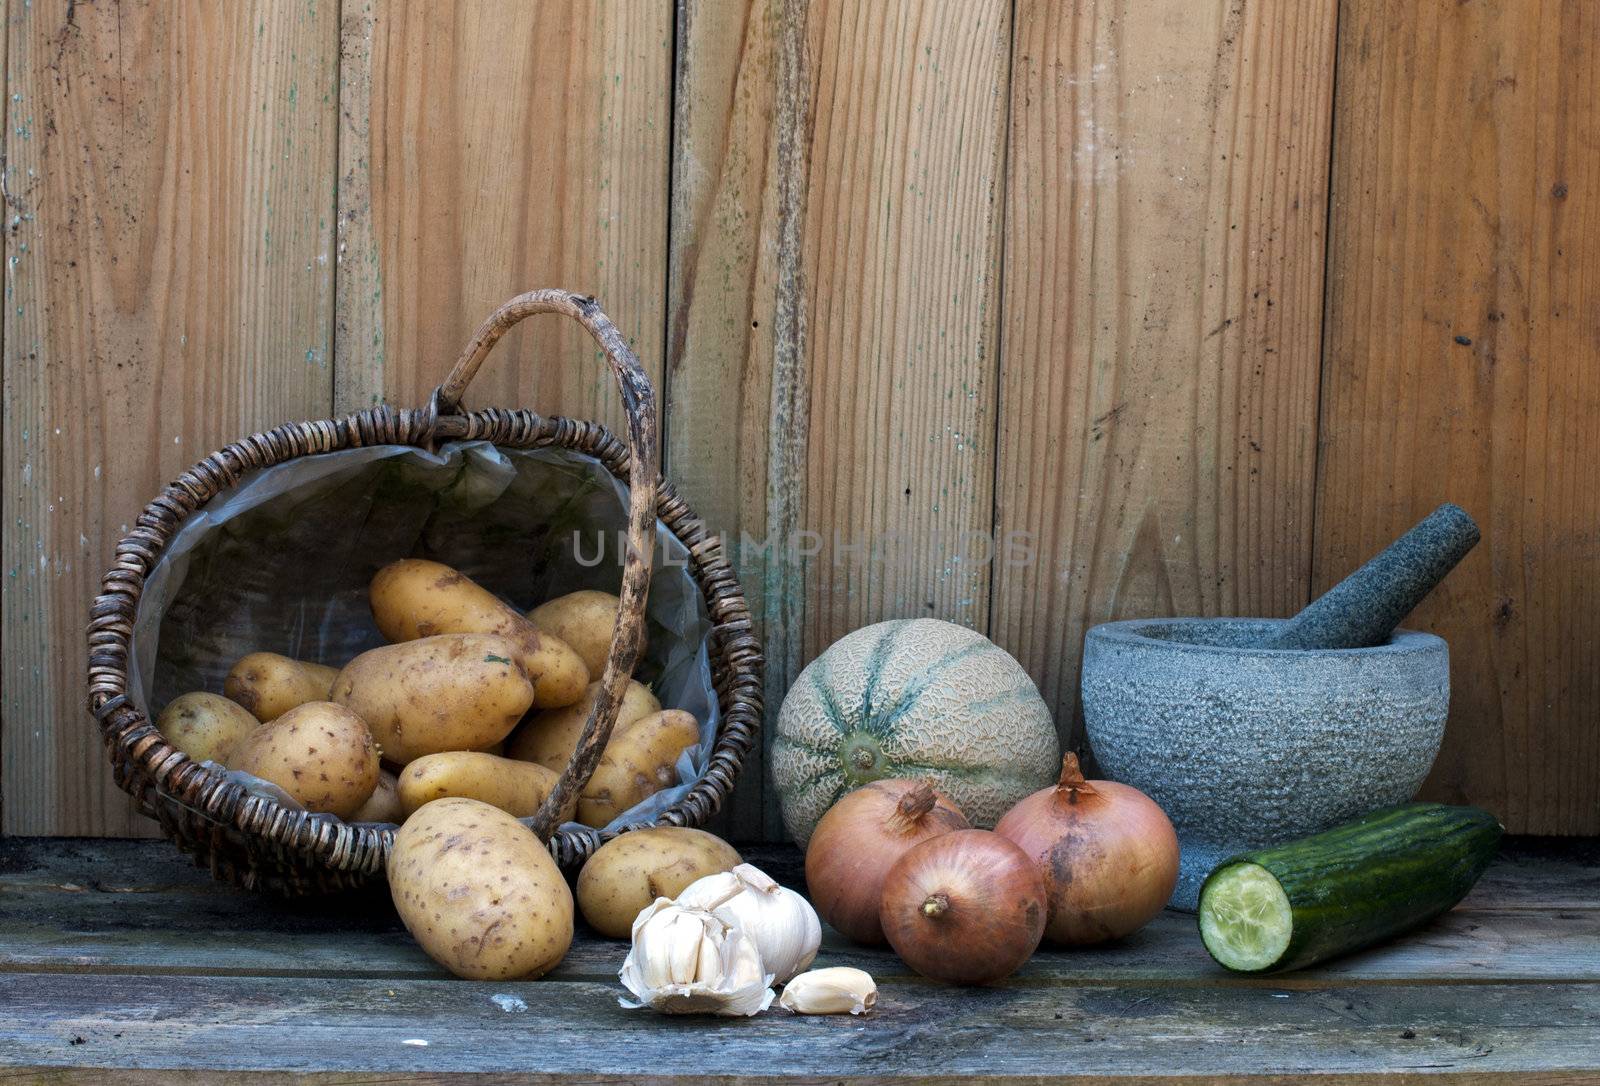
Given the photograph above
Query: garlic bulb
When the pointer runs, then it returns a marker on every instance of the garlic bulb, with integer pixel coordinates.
(781, 923)
(687, 961)
(830, 991)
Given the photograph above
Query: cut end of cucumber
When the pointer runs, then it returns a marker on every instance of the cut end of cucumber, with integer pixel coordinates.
(1245, 918)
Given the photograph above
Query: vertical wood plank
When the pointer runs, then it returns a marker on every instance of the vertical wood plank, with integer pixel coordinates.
(487, 149)
(1463, 364)
(5, 210)
(835, 307)
(724, 269)
(169, 201)
(1163, 292)
(900, 254)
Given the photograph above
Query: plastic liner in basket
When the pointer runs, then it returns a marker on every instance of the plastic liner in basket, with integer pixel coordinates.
(282, 563)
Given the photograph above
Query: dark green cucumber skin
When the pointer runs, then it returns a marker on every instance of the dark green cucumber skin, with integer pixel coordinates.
(1377, 877)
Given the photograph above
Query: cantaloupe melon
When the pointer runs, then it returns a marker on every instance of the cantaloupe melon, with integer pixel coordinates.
(912, 698)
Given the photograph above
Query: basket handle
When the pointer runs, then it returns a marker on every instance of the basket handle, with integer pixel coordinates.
(638, 399)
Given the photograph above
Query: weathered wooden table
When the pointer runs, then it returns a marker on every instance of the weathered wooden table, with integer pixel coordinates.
(120, 962)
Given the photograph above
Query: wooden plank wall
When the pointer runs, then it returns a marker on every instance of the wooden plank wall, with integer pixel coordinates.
(1463, 362)
(1163, 310)
(169, 287)
(485, 148)
(1198, 302)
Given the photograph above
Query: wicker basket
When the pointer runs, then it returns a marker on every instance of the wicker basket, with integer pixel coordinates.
(257, 843)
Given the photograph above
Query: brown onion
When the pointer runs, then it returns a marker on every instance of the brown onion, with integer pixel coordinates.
(1106, 851)
(966, 907)
(860, 838)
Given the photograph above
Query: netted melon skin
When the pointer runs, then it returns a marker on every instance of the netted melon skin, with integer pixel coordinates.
(920, 698)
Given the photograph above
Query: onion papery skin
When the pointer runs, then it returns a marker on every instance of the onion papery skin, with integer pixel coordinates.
(966, 907)
(1106, 851)
(858, 841)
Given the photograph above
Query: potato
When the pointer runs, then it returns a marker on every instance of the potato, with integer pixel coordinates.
(204, 726)
(450, 692)
(631, 870)
(384, 803)
(414, 598)
(497, 749)
(319, 753)
(269, 685)
(515, 787)
(479, 892)
(549, 738)
(583, 620)
(639, 763)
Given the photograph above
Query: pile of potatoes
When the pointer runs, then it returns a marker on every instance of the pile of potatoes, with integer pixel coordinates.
(471, 700)
(458, 728)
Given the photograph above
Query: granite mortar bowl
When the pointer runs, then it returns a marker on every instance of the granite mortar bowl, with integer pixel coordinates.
(1245, 747)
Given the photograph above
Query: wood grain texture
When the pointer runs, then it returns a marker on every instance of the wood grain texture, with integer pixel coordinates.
(169, 287)
(904, 271)
(485, 150)
(96, 1076)
(577, 1031)
(119, 955)
(724, 268)
(834, 307)
(101, 1076)
(1463, 364)
(135, 907)
(1163, 286)
(1556, 873)
(110, 932)
(900, 248)
(5, 507)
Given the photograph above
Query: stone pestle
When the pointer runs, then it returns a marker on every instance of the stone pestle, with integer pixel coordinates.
(1364, 608)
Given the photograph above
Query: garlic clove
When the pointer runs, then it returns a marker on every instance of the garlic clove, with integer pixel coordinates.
(830, 991)
(713, 958)
(781, 923)
(756, 879)
(710, 892)
(685, 948)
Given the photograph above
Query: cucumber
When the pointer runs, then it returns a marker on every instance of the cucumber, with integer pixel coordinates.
(1355, 885)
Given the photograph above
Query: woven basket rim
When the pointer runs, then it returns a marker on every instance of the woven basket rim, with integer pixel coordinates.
(146, 763)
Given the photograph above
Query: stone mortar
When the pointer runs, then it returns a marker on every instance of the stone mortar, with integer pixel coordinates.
(1245, 747)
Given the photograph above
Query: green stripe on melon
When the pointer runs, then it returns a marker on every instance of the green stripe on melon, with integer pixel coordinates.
(912, 698)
